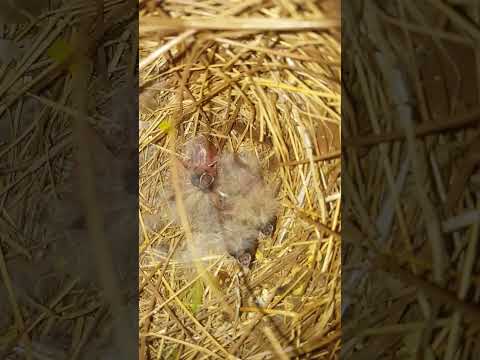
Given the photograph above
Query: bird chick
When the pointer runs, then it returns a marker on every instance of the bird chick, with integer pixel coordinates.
(247, 195)
(249, 204)
(196, 176)
(201, 161)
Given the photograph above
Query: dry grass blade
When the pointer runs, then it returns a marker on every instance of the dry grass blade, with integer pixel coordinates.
(237, 24)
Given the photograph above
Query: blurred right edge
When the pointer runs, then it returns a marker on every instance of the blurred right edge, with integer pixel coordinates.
(411, 180)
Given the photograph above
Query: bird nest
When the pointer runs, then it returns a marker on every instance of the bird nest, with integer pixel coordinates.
(257, 78)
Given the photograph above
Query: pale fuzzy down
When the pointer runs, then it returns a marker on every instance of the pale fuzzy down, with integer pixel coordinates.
(248, 199)
(200, 210)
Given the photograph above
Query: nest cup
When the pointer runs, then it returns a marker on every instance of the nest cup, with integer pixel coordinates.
(275, 94)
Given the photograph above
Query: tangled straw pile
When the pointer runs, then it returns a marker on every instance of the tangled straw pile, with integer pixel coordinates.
(411, 115)
(258, 75)
(50, 302)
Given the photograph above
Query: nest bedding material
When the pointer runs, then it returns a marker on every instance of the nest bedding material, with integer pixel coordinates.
(411, 125)
(53, 303)
(276, 94)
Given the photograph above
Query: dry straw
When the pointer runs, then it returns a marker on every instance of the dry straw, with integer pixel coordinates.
(262, 76)
(411, 198)
(37, 109)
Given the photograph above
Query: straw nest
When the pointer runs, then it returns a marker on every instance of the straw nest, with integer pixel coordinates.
(411, 215)
(262, 76)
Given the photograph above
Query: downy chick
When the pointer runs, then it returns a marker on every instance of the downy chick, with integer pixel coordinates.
(249, 205)
(196, 177)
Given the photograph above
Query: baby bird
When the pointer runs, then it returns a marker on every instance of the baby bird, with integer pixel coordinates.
(202, 161)
(249, 205)
(228, 204)
(196, 176)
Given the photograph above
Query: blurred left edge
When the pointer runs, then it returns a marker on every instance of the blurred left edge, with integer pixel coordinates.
(69, 179)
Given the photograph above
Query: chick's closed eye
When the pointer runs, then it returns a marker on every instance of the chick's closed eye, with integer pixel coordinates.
(202, 180)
